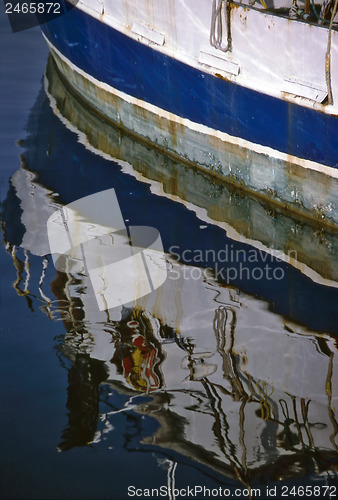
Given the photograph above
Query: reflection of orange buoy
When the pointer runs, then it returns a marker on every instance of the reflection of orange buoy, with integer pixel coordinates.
(139, 364)
(138, 354)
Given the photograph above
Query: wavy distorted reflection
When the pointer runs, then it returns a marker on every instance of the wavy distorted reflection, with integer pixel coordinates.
(198, 368)
(230, 384)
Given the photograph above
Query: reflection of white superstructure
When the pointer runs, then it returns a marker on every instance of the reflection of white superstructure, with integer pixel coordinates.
(233, 363)
(244, 386)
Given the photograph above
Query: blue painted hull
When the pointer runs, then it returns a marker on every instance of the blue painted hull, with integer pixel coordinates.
(144, 73)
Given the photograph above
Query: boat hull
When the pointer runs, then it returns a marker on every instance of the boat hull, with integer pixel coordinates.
(270, 146)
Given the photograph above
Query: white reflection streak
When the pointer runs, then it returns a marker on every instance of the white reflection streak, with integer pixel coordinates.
(171, 479)
(41, 280)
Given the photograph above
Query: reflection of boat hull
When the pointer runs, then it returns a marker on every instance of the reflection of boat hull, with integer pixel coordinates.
(200, 363)
(201, 116)
(250, 227)
(244, 218)
(194, 347)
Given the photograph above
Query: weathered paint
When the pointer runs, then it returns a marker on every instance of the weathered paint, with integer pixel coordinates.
(269, 48)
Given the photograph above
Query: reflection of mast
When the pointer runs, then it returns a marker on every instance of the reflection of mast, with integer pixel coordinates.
(225, 336)
(136, 353)
(84, 378)
(199, 371)
(170, 465)
(221, 429)
(224, 325)
(20, 268)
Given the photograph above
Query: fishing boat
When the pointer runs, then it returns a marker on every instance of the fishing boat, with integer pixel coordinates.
(247, 91)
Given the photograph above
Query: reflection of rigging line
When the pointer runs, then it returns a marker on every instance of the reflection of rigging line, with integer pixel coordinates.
(221, 320)
(328, 390)
(218, 293)
(129, 405)
(144, 371)
(221, 426)
(28, 274)
(222, 423)
(66, 309)
(250, 382)
(263, 400)
(171, 479)
(297, 422)
(305, 412)
(19, 266)
(69, 295)
(242, 434)
(290, 438)
(305, 423)
(24, 266)
(220, 326)
(43, 295)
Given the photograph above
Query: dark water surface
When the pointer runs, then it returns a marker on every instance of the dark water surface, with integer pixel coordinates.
(219, 379)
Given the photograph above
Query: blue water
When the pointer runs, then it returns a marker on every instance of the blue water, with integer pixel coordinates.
(54, 397)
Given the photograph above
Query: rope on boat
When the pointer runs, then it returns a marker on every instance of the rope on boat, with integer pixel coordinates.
(220, 16)
(326, 9)
(328, 56)
(294, 10)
